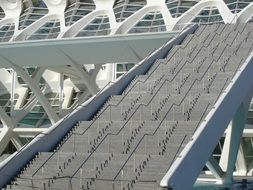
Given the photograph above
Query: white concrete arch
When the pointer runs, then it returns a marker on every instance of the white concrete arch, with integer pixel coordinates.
(168, 19)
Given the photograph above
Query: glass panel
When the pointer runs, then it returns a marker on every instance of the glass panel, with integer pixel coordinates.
(122, 68)
(6, 32)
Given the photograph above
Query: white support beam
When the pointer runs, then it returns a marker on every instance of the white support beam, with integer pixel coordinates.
(36, 76)
(241, 166)
(35, 88)
(214, 167)
(6, 120)
(5, 136)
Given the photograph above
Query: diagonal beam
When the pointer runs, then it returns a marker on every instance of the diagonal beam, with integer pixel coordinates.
(28, 107)
(214, 167)
(6, 120)
(5, 137)
(90, 84)
(36, 76)
(36, 90)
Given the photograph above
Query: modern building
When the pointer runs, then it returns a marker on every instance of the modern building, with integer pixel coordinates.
(49, 66)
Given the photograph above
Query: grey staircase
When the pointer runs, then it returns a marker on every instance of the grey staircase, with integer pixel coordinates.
(135, 137)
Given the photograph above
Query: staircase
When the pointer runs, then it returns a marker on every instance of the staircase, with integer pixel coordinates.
(135, 137)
